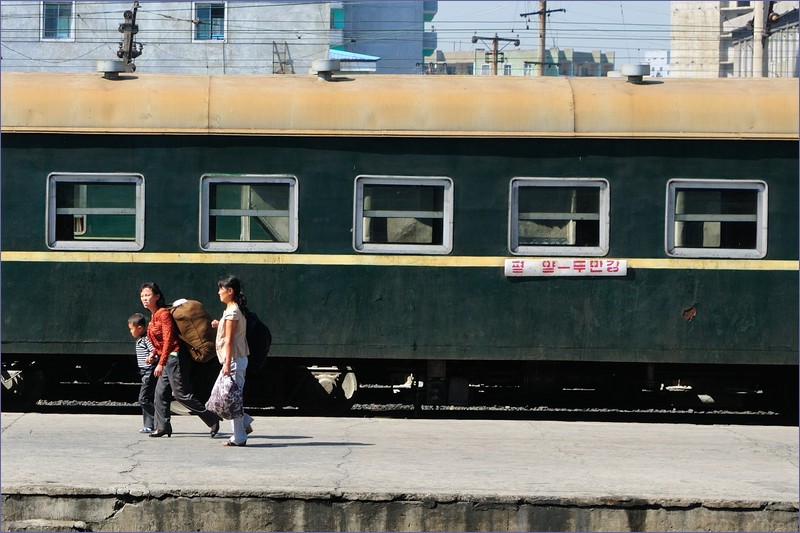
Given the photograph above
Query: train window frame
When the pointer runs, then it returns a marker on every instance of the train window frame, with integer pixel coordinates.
(443, 182)
(758, 251)
(249, 246)
(603, 217)
(52, 212)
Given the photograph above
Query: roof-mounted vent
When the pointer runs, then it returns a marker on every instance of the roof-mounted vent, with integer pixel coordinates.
(635, 73)
(111, 69)
(325, 68)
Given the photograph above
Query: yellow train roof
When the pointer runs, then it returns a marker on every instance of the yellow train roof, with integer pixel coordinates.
(400, 106)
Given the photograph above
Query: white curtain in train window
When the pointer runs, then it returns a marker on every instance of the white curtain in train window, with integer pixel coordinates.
(549, 216)
(716, 218)
(249, 213)
(396, 214)
(403, 214)
(95, 211)
(558, 216)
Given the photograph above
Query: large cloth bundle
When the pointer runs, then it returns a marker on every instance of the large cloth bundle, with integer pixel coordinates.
(194, 324)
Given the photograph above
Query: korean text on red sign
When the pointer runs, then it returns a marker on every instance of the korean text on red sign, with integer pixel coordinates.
(566, 267)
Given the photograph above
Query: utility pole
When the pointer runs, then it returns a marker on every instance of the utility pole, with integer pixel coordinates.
(543, 12)
(542, 30)
(128, 48)
(496, 58)
(759, 39)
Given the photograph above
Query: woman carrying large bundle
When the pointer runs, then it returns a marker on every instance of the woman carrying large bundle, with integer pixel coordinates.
(172, 370)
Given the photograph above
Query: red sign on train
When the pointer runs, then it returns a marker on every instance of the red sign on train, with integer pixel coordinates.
(566, 267)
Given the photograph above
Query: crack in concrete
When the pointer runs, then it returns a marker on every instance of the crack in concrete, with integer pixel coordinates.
(135, 463)
(119, 504)
(770, 447)
(340, 466)
(12, 422)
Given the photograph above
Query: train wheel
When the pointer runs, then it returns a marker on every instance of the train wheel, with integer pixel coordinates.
(22, 387)
(331, 390)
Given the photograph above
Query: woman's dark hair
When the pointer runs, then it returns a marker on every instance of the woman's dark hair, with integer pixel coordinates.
(156, 292)
(232, 282)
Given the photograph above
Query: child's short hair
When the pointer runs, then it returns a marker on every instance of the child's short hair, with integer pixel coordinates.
(137, 319)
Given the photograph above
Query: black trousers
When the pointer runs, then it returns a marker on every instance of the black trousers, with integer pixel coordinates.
(146, 395)
(175, 382)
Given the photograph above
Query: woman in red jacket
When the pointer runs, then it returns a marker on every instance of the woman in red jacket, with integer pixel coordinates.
(172, 370)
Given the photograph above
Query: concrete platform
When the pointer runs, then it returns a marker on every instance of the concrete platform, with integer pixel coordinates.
(96, 473)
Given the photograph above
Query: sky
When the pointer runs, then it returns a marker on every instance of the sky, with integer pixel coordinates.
(628, 28)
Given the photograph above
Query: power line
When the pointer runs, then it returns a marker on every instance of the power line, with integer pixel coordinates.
(310, 37)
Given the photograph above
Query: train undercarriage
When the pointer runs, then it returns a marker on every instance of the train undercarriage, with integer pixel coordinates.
(333, 387)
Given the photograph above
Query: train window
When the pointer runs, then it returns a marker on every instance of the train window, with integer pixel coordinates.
(716, 218)
(403, 214)
(95, 211)
(558, 216)
(248, 213)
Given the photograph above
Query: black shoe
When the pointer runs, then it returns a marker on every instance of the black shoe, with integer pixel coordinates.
(214, 430)
(161, 433)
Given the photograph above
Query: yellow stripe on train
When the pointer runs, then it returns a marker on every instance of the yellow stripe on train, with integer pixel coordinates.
(368, 260)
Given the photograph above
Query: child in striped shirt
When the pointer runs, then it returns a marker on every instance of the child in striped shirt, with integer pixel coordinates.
(137, 324)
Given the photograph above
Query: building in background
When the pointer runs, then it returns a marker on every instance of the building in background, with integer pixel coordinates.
(659, 63)
(392, 30)
(275, 37)
(352, 63)
(566, 62)
(708, 39)
(177, 37)
(718, 39)
(779, 56)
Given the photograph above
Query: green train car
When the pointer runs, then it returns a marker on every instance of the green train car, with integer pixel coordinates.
(536, 233)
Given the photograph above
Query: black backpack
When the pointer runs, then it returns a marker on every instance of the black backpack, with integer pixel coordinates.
(259, 339)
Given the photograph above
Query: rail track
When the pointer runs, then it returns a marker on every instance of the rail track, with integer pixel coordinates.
(491, 403)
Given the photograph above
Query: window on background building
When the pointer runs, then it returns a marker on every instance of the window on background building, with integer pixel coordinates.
(403, 214)
(95, 211)
(57, 20)
(209, 22)
(506, 70)
(248, 213)
(559, 216)
(486, 69)
(337, 18)
(716, 218)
